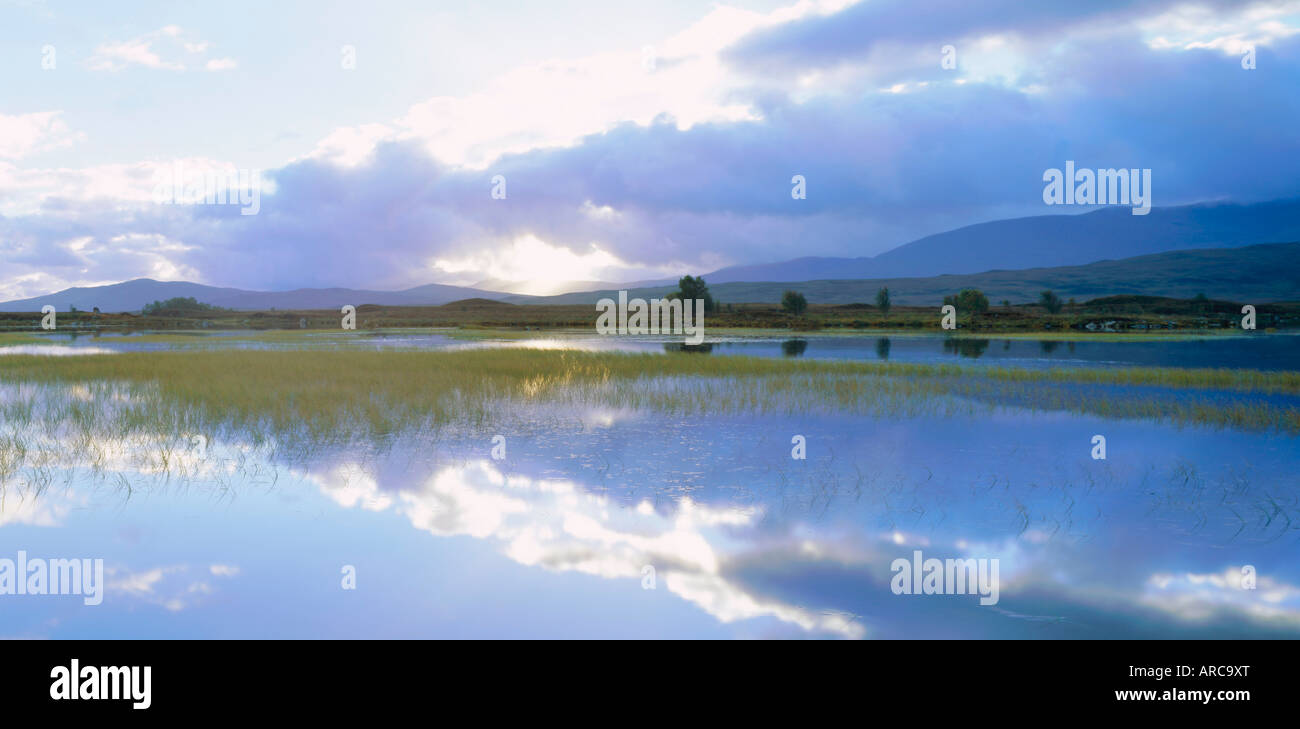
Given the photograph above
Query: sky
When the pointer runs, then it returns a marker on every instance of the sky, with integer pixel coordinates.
(393, 143)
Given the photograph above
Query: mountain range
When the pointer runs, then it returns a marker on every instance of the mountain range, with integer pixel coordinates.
(135, 294)
(1107, 251)
(1250, 274)
(1045, 241)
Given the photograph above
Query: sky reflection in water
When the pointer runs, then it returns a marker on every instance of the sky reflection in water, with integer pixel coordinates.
(745, 542)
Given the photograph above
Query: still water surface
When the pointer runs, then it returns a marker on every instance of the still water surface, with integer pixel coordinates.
(1260, 351)
(563, 536)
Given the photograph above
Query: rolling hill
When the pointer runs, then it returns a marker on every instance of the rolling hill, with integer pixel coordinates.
(1047, 241)
(1103, 252)
(1258, 273)
(133, 295)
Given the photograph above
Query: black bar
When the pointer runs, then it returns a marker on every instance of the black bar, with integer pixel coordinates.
(993, 680)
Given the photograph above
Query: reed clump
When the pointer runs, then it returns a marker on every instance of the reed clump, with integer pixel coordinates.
(325, 395)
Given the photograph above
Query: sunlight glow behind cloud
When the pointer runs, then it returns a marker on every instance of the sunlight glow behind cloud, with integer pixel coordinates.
(532, 260)
(644, 162)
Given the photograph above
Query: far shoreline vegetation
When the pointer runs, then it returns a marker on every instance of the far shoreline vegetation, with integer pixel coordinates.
(1119, 316)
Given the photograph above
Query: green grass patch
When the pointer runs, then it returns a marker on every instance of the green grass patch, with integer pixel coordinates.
(16, 338)
(379, 392)
(138, 411)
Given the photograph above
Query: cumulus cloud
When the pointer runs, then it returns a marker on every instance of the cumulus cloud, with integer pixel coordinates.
(173, 587)
(880, 28)
(169, 48)
(675, 159)
(557, 102)
(556, 525)
(25, 134)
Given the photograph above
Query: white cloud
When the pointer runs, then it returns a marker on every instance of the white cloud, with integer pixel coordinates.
(350, 485)
(170, 588)
(85, 258)
(1198, 596)
(27, 134)
(141, 583)
(529, 258)
(25, 190)
(639, 201)
(555, 103)
(1230, 30)
(141, 51)
(555, 525)
(49, 510)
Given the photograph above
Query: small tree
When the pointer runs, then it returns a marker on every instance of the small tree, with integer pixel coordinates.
(969, 301)
(794, 302)
(180, 303)
(693, 287)
(1050, 301)
(882, 300)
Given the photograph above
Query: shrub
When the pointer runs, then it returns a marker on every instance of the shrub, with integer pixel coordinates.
(794, 302)
(882, 300)
(1050, 301)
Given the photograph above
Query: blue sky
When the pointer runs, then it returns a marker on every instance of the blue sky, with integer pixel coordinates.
(636, 140)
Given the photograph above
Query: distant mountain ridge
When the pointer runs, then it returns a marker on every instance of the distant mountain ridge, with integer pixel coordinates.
(1048, 241)
(1253, 274)
(135, 294)
(1022, 244)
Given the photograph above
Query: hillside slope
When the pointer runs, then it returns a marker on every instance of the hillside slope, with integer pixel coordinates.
(133, 295)
(1259, 273)
(1047, 241)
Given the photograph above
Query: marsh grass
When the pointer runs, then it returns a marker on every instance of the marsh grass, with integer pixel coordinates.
(321, 391)
(187, 338)
(294, 404)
